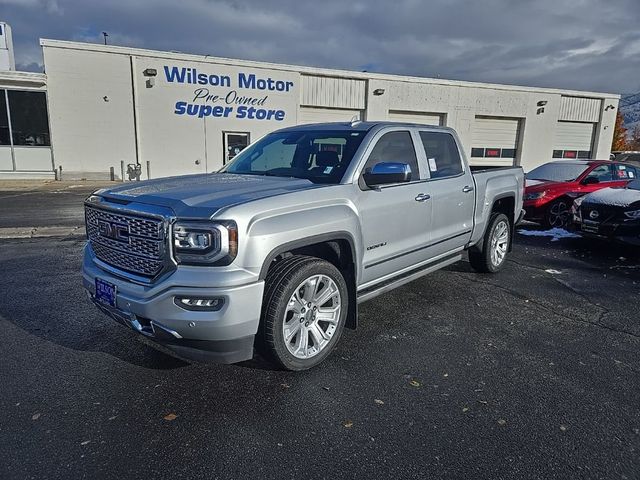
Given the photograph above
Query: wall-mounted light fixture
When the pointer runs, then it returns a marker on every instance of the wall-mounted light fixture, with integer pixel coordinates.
(378, 91)
(150, 73)
(542, 103)
(609, 107)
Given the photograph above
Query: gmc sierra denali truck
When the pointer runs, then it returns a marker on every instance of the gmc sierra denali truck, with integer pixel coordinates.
(276, 250)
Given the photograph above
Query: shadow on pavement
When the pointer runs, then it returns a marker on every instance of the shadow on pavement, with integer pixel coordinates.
(41, 293)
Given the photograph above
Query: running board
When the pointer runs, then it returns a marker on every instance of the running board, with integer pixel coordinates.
(374, 291)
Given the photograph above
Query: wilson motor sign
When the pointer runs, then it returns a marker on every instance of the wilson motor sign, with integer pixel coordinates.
(242, 95)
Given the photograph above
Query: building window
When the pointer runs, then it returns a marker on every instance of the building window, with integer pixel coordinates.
(5, 137)
(29, 120)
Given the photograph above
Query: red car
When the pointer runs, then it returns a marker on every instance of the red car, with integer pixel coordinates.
(551, 188)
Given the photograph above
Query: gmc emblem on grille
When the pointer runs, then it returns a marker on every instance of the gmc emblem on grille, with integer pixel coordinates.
(113, 231)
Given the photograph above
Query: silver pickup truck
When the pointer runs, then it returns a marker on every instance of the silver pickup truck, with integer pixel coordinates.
(276, 250)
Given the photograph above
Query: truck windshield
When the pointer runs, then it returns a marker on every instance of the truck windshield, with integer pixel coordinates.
(316, 155)
(557, 172)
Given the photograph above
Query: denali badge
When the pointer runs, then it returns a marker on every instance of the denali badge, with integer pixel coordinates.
(594, 214)
(113, 231)
(377, 245)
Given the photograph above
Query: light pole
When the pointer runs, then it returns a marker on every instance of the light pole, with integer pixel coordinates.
(105, 35)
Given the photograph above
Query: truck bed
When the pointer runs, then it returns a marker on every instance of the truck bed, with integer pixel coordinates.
(483, 168)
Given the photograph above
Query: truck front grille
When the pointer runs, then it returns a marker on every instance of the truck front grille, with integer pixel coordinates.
(132, 243)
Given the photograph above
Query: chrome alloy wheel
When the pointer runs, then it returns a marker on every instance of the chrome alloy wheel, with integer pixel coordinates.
(499, 243)
(312, 316)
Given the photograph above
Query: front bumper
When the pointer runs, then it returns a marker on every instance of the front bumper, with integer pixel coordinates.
(222, 336)
(625, 232)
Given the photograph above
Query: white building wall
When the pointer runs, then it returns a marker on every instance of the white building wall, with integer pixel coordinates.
(604, 129)
(461, 104)
(91, 134)
(179, 143)
(90, 111)
(332, 92)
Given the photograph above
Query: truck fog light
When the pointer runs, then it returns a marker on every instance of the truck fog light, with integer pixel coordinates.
(211, 304)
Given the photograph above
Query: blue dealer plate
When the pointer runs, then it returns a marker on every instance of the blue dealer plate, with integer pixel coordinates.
(105, 292)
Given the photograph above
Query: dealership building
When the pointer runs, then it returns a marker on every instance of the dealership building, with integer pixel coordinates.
(102, 110)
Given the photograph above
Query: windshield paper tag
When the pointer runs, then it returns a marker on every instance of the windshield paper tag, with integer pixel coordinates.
(432, 165)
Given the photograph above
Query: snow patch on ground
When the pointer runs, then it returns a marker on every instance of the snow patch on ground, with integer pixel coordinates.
(555, 233)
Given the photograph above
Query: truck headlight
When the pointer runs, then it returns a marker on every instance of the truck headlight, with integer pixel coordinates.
(632, 214)
(205, 243)
(534, 195)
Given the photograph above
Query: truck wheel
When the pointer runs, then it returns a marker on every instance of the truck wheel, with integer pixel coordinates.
(303, 313)
(495, 246)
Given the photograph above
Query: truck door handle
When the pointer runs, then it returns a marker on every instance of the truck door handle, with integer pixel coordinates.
(467, 189)
(422, 197)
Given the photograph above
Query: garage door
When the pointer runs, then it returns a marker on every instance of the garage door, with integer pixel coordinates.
(573, 140)
(319, 115)
(495, 141)
(415, 117)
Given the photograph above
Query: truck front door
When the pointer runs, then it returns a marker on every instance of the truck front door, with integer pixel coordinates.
(395, 218)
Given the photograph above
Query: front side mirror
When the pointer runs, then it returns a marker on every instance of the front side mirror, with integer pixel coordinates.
(386, 173)
(590, 181)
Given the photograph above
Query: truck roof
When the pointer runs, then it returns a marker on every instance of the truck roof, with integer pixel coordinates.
(357, 126)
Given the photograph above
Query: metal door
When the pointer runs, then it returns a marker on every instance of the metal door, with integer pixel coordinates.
(234, 143)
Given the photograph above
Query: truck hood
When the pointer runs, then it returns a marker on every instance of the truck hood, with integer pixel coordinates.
(204, 194)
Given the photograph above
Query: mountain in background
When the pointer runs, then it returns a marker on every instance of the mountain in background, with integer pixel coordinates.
(630, 108)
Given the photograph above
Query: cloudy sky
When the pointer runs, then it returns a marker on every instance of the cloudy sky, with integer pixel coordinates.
(580, 44)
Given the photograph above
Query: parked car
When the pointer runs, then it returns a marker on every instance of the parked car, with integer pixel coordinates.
(551, 188)
(613, 213)
(278, 248)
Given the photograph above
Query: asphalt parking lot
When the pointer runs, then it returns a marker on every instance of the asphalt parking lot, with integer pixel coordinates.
(530, 373)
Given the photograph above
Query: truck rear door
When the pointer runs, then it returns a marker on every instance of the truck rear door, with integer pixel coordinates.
(451, 187)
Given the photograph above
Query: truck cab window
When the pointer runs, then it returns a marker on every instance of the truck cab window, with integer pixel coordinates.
(443, 158)
(394, 147)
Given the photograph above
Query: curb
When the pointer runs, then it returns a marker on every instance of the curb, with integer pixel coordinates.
(40, 232)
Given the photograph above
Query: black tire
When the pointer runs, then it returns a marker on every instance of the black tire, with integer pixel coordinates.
(281, 282)
(481, 260)
(557, 214)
